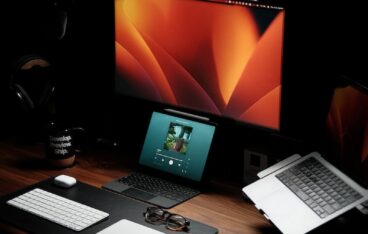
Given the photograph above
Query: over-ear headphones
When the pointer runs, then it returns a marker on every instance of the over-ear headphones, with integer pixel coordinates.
(32, 82)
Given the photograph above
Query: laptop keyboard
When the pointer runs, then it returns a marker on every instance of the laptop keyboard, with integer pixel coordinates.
(159, 186)
(318, 187)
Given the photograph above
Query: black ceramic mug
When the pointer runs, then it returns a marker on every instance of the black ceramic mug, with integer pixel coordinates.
(63, 143)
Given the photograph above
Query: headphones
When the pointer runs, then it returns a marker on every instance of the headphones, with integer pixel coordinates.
(32, 82)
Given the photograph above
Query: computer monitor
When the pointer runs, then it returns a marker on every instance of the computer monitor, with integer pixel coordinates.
(347, 128)
(218, 57)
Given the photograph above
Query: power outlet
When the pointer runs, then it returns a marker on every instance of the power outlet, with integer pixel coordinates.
(254, 162)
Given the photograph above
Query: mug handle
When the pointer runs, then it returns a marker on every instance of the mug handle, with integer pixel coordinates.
(80, 134)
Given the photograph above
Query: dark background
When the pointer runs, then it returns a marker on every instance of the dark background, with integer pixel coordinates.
(322, 42)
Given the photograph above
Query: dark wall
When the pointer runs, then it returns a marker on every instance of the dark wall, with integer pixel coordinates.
(86, 65)
(28, 28)
(76, 37)
(321, 42)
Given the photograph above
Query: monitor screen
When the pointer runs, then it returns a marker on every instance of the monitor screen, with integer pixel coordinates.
(347, 128)
(176, 145)
(219, 57)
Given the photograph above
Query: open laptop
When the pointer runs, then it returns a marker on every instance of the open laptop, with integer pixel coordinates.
(286, 204)
(172, 162)
(302, 193)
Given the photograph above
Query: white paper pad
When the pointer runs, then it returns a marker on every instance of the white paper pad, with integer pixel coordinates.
(127, 226)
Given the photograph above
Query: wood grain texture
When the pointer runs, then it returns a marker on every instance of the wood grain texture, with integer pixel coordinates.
(222, 206)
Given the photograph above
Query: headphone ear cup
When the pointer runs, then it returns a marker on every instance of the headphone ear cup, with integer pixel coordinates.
(32, 82)
(23, 98)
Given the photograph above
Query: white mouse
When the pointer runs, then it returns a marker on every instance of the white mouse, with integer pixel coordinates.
(65, 181)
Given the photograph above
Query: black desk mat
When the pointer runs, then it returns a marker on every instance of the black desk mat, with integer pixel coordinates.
(119, 207)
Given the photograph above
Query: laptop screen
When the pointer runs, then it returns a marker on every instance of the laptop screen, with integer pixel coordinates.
(176, 145)
(347, 128)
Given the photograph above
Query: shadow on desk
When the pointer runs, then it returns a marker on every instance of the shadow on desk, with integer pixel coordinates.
(351, 222)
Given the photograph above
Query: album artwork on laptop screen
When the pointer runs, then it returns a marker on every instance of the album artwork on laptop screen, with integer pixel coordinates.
(176, 145)
(218, 57)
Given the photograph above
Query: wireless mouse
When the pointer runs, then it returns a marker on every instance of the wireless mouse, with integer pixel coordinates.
(65, 181)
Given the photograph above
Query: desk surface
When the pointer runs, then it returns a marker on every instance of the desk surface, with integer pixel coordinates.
(222, 206)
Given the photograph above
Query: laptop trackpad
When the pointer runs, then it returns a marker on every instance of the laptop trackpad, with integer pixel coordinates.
(163, 202)
(138, 194)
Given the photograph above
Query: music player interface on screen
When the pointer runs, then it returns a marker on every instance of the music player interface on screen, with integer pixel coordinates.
(177, 145)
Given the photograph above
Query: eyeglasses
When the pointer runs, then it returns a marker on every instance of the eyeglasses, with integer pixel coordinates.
(174, 222)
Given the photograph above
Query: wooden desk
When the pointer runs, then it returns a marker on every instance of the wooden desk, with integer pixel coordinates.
(222, 206)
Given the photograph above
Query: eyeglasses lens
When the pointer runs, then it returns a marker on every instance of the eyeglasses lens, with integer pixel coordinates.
(173, 222)
(176, 222)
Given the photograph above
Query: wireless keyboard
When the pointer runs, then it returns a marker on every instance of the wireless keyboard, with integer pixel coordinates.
(158, 186)
(57, 209)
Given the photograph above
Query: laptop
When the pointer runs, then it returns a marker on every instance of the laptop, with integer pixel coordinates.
(301, 193)
(173, 160)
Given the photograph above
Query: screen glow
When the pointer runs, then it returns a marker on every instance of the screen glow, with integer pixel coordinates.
(217, 58)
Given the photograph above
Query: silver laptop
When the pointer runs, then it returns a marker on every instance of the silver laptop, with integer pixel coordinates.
(302, 193)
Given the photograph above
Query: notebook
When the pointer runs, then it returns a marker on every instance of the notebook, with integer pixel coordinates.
(172, 164)
(302, 193)
(127, 226)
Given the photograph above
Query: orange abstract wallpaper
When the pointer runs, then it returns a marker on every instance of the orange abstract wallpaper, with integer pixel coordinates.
(347, 124)
(217, 58)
